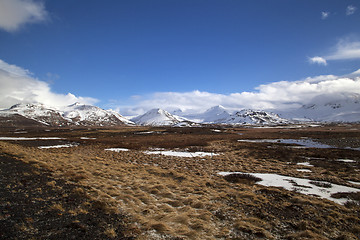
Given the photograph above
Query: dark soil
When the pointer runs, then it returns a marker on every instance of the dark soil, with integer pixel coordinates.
(34, 205)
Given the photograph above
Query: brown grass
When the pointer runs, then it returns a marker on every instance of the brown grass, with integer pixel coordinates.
(185, 198)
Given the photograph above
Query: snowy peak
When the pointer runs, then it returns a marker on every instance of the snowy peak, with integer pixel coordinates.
(75, 114)
(212, 115)
(89, 115)
(157, 117)
(37, 112)
(340, 107)
(248, 116)
(215, 114)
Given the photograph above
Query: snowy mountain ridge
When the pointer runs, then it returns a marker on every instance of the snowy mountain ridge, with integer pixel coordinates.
(341, 107)
(157, 117)
(75, 114)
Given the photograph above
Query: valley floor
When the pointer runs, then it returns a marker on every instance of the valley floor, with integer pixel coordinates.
(104, 183)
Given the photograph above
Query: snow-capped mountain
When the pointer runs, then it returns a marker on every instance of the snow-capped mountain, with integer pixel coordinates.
(212, 115)
(257, 117)
(341, 107)
(75, 114)
(157, 117)
(38, 112)
(88, 115)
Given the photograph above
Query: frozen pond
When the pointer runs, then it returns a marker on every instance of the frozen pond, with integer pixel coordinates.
(307, 143)
(301, 185)
(181, 154)
(117, 149)
(302, 143)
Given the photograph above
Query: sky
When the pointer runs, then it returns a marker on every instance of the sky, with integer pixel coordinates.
(134, 55)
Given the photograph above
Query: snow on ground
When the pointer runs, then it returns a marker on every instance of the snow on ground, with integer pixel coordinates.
(58, 146)
(29, 139)
(301, 185)
(215, 130)
(117, 149)
(355, 183)
(307, 164)
(303, 170)
(346, 160)
(144, 132)
(182, 154)
(85, 138)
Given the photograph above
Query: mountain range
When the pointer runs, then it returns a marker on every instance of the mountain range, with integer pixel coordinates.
(346, 108)
(73, 115)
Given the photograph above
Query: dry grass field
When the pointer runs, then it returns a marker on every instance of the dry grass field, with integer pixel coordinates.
(150, 196)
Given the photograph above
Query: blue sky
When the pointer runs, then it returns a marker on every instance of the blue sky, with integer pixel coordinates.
(125, 52)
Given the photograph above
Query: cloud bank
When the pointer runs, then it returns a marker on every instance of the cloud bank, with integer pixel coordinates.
(16, 13)
(18, 86)
(281, 95)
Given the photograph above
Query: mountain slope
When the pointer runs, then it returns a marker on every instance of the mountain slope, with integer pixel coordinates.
(75, 114)
(212, 115)
(157, 117)
(341, 107)
(38, 112)
(257, 117)
(88, 115)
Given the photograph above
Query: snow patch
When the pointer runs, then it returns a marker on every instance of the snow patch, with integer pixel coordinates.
(181, 154)
(117, 149)
(346, 160)
(301, 185)
(29, 139)
(58, 146)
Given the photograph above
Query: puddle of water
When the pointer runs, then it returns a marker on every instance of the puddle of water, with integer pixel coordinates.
(182, 154)
(58, 146)
(117, 149)
(29, 139)
(304, 142)
(301, 185)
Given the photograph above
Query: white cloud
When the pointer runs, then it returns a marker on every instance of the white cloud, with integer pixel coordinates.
(17, 85)
(277, 95)
(350, 10)
(16, 13)
(318, 60)
(325, 15)
(345, 49)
